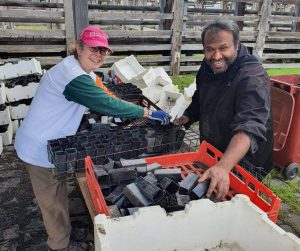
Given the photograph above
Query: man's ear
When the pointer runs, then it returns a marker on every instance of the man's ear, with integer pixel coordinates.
(237, 46)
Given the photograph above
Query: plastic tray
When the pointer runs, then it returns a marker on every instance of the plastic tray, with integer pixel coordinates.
(241, 182)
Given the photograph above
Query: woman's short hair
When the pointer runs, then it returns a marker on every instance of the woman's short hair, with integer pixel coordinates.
(73, 50)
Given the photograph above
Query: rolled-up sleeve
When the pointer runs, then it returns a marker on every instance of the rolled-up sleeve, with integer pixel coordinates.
(253, 104)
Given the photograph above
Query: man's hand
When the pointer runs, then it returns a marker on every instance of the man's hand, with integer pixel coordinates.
(181, 121)
(219, 177)
(161, 116)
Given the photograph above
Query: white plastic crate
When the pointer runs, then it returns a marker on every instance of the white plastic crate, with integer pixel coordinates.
(236, 225)
(7, 135)
(1, 145)
(138, 80)
(16, 124)
(156, 76)
(5, 116)
(190, 90)
(18, 112)
(21, 92)
(2, 93)
(127, 68)
(22, 68)
(172, 103)
(154, 92)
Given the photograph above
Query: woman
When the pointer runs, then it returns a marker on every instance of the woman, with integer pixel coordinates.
(56, 111)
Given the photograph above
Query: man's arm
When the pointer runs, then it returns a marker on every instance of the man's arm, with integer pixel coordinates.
(219, 174)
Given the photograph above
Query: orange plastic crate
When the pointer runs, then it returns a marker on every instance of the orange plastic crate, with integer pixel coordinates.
(241, 182)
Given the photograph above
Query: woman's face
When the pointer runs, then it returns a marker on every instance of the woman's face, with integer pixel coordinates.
(91, 58)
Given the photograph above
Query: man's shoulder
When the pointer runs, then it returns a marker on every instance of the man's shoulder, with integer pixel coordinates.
(251, 67)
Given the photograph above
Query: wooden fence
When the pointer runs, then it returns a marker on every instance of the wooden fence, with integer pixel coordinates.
(163, 33)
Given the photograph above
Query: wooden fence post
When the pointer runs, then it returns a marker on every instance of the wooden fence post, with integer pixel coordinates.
(239, 10)
(81, 15)
(296, 25)
(177, 26)
(161, 10)
(263, 26)
(69, 25)
(76, 18)
(168, 9)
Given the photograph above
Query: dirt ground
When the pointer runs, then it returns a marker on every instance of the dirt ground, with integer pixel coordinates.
(21, 226)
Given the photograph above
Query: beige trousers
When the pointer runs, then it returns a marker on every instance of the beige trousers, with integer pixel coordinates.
(52, 198)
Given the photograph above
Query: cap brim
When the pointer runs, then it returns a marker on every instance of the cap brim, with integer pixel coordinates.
(93, 43)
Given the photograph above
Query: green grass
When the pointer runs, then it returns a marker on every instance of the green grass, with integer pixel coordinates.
(184, 80)
(273, 72)
(35, 27)
(286, 192)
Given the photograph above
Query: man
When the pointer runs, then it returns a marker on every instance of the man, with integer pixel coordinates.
(232, 103)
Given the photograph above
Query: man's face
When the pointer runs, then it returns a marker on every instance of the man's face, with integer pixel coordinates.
(219, 50)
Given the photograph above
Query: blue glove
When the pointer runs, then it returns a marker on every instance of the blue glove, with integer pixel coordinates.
(161, 116)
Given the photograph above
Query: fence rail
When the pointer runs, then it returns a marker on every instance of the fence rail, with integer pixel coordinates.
(167, 33)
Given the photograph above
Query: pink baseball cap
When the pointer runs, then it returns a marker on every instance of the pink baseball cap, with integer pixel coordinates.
(94, 37)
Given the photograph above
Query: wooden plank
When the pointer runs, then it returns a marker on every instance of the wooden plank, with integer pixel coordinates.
(32, 14)
(192, 59)
(195, 34)
(131, 33)
(211, 11)
(284, 65)
(141, 48)
(177, 27)
(193, 47)
(80, 14)
(165, 67)
(122, 7)
(86, 195)
(285, 34)
(263, 27)
(140, 59)
(282, 46)
(30, 4)
(284, 18)
(31, 48)
(40, 16)
(283, 39)
(248, 1)
(125, 22)
(49, 61)
(32, 34)
(126, 16)
(213, 17)
(33, 20)
(190, 68)
(199, 47)
(280, 56)
(285, 1)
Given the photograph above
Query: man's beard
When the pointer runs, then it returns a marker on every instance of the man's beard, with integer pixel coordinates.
(225, 61)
